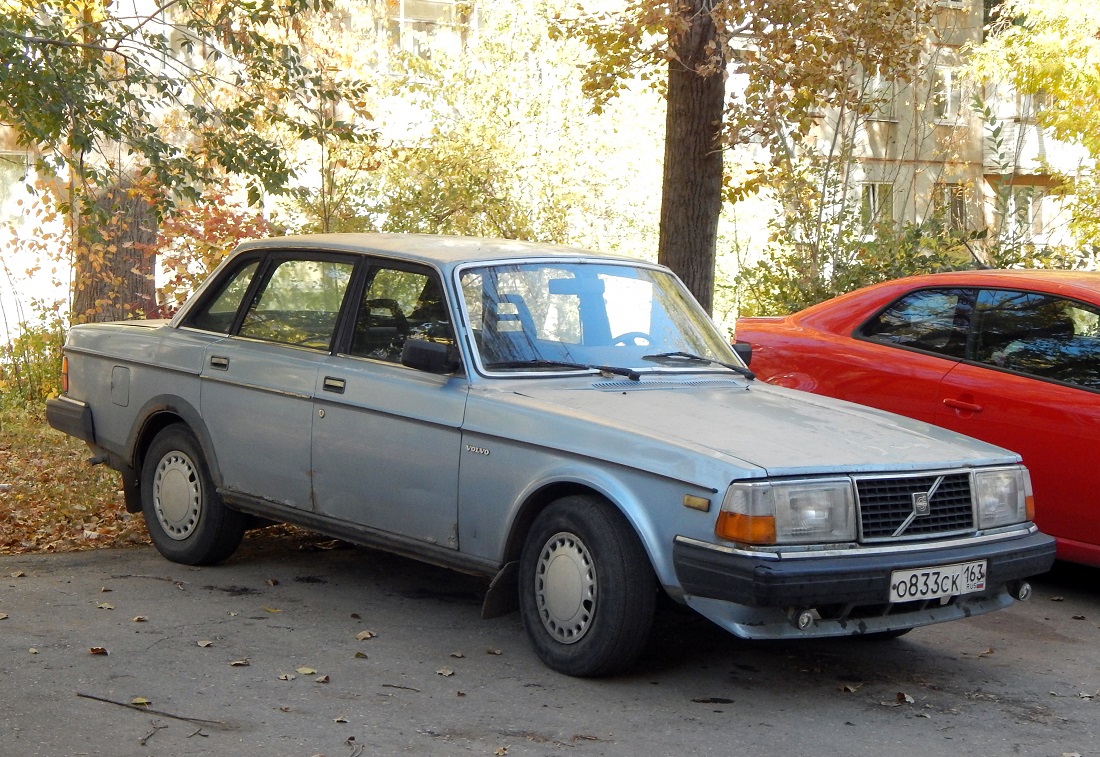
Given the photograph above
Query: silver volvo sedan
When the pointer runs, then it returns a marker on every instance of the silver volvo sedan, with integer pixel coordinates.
(569, 423)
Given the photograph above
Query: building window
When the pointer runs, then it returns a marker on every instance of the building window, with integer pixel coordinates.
(1028, 106)
(1024, 217)
(878, 204)
(946, 94)
(878, 95)
(425, 27)
(949, 205)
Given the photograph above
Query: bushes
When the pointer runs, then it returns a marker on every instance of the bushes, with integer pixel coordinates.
(30, 366)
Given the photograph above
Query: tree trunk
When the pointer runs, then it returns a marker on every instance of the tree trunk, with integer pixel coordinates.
(114, 267)
(691, 198)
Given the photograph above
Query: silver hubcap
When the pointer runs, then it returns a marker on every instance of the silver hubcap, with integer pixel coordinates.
(565, 587)
(177, 495)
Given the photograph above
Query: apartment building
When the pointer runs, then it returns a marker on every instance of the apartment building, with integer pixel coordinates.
(943, 148)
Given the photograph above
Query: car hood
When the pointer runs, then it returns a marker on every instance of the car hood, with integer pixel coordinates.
(781, 431)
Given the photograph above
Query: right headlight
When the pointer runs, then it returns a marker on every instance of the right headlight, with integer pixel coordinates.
(788, 512)
(1004, 496)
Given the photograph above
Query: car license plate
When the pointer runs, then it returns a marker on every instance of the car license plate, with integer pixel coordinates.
(937, 581)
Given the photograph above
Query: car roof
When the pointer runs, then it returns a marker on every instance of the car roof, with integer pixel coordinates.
(999, 277)
(438, 250)
(1079, 283)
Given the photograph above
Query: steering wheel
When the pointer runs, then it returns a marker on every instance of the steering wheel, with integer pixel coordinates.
(632, 337)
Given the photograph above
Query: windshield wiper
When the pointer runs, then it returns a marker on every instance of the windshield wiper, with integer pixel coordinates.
(699, 359)
(630, 373)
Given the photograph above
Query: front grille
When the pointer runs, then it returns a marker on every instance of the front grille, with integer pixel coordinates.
(885, 504)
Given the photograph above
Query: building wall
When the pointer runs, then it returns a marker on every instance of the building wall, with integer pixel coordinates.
(932, 153)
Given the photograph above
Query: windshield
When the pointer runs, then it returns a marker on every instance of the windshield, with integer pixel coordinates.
(561, 315)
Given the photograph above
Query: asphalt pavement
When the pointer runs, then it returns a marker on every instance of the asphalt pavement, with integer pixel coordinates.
(299, 647)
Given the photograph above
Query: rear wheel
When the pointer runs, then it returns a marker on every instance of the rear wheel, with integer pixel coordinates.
(186, 518)
(587, 591)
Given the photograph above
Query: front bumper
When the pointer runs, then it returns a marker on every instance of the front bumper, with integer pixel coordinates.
(849, 578)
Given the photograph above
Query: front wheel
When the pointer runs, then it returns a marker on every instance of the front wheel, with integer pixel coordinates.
(586, 588)
(186, 518)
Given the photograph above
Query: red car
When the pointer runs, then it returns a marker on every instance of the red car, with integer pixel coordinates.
(1009, 357)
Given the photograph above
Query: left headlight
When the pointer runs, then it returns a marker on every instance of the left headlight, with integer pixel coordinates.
(1004, 496)
(788, 512)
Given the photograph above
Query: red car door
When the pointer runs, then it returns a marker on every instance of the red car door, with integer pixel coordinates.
(1033, 389)
(1055, 428)
(900, 357)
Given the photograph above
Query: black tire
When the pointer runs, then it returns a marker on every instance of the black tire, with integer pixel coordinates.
(186, 518)
(586, 588)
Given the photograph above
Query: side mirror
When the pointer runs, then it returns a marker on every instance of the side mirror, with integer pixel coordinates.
(432, 357)
(744, 351)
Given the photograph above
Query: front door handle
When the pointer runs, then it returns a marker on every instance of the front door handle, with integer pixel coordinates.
(219, 362)
(970, 407)
(333, 384)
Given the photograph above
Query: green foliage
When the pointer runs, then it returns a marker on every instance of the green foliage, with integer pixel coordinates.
(821, 246)
(502, 143)
(787, 279)
(30, 364)
(92, 88)
(1050, 48)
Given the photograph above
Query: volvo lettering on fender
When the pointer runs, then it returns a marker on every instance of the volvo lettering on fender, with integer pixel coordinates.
(476, 450)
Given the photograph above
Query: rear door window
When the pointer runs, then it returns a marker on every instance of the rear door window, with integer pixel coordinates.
(1040, 335)
(299, 303)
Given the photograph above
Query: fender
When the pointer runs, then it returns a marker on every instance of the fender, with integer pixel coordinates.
(153, 416)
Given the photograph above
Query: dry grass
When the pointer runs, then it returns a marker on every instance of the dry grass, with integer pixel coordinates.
(51, 500)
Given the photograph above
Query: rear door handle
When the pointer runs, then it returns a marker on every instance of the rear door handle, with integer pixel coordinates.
(219, 362)
(970, 407)
(332, 384)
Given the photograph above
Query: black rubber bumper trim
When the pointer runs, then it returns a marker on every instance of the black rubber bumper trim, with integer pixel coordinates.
(71, 417)
(854, 578)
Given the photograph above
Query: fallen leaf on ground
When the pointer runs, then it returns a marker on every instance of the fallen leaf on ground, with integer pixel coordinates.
(321, 679)
(459, 655)
(490, 650)
(32, 650)
(18, 574)
(287, 677)
(851, 688)
(98, 651)
(904, 698)
(105, 606)
(501, 751)
(360, 655)
(364, 635)
(140, 701)
(445, 672)
(987, 652)
(204, 643)
(139, 619)
(306, 671)
(3, 616)
(240, 663)
(272, 582)
(272, 609)
(1057, 599)
(1079, 617)
(340, 719)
